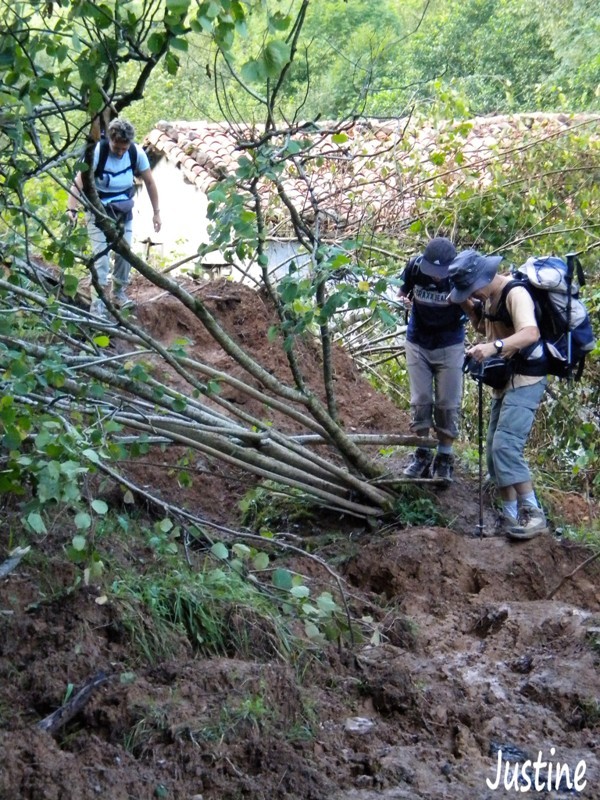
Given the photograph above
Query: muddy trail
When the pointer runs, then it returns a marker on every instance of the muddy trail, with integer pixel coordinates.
(472, 655)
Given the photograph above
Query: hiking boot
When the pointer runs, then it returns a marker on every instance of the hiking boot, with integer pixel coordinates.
(419, 464)
(120, 299)
(443, 467)
(532, 522)
(505, 523)
(98, 309)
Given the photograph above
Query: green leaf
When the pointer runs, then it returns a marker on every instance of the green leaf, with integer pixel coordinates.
(165, 525)
(326, 603)
(300, 591)
(282, 579)
(102, 340)
(70, 285)
(99, 506)
(260, 561)
(155, 42)
(252, 72)
(82, 521)
(279, 21)
(79, 543)
(219, 550)
(172, 63)
(339, 138)
(96, 569)
(178, 6)
(275, 57)
(91, 455)
(241, 550)
(36, 523)
(311, 630)
(179, 44)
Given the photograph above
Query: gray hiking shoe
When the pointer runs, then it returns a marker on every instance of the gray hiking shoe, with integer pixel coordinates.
(420, 464)
(98, 309)
(504, 524)
(443, 467)
(120, 299)
(532, 522)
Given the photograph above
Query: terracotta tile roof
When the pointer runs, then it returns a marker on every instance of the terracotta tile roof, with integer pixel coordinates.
(370, 175)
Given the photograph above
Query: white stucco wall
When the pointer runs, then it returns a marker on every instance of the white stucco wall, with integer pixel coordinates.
(184, 228)
(183, 215)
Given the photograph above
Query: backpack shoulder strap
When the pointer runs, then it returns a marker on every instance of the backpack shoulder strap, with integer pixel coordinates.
(104, 153)
(133, 156)
(412, 270)
(502, 314)
(574, 267)
(102, 156)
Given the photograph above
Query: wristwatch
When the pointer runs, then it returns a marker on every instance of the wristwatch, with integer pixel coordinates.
(499, 345)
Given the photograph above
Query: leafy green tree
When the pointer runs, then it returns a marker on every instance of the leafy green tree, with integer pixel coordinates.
(574, 30)
(494, 52)
(65, 68)
(55, 100)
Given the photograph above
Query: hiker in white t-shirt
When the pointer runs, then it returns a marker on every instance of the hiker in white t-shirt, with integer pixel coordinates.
(117, 160)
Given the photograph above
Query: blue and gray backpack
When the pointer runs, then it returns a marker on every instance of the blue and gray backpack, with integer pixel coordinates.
(565, 326)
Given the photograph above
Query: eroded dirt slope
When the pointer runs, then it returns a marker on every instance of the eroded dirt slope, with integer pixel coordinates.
(465, 654)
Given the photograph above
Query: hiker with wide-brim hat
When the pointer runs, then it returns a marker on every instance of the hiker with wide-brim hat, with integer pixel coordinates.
(477, 287)
(434, 357)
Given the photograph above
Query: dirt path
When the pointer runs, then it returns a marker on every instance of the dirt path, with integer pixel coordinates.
(464, 658)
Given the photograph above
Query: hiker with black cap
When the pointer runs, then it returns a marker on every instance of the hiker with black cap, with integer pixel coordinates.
(434, 357)
(477, 287)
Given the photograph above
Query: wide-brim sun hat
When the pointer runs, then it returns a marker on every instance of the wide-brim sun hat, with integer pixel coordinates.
(469, 272)
(437, 257)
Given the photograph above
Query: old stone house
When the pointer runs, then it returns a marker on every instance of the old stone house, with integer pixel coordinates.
(364, 176)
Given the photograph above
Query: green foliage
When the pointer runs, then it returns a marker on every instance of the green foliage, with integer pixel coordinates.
(159, 609)
(414, 507)
(537, 198)
(323, 619)
(572, 26)
(271, 506)
(236, 720)
(492, 52)
(225, 610)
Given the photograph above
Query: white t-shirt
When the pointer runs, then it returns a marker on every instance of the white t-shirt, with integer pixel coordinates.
(118, 176)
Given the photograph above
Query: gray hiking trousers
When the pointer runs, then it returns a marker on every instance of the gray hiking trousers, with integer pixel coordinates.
(511, 420)
(121, 268)
(435, 387)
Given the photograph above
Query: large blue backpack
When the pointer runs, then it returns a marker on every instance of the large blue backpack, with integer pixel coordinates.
(563, 320)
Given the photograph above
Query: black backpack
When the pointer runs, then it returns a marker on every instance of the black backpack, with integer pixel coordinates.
(563, 320)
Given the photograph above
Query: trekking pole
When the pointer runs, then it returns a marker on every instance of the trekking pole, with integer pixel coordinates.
(480, 438)
(476, 371)
(570, 271)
